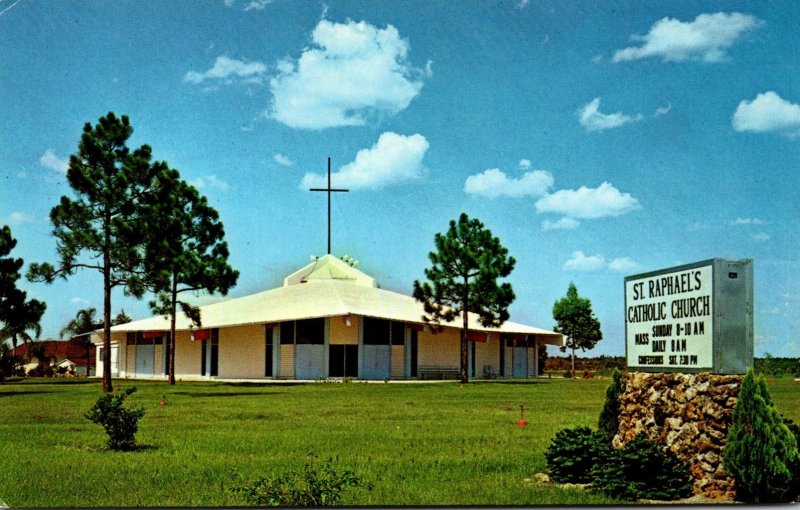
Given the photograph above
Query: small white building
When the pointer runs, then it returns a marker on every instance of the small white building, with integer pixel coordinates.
(328, 320)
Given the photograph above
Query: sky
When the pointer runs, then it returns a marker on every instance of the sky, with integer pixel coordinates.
(595, 139)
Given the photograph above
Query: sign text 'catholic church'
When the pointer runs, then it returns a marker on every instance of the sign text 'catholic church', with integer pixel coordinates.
(692, 318)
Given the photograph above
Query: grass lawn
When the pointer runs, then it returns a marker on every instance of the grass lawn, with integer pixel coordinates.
(420, 444)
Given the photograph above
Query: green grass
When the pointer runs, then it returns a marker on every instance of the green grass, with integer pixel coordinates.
(431, 444)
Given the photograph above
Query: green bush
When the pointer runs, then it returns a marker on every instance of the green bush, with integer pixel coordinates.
(642, 470)
(761, 451)
(573, 453)
(794, 493)
(318, 485)
(119, 423)
(608, 422)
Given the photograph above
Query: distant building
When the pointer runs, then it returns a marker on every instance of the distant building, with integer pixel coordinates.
(71, 354)
(328, 320)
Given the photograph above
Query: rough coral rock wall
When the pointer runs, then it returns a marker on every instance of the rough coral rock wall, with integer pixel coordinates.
(690, 414)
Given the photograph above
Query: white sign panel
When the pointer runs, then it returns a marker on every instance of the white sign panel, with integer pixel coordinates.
(669, 319)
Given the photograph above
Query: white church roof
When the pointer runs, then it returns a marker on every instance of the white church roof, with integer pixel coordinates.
(327, 287)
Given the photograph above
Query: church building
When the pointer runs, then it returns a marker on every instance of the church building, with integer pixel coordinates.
(329, 320)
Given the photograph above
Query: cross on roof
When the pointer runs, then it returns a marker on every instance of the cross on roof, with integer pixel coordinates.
(329, 190)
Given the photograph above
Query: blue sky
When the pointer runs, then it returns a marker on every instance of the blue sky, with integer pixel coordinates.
(597, 140)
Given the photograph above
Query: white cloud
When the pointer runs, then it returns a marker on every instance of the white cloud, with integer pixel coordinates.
(589, 263)
(588, 203)
(282, 160)
(623, 265)
(351, 71)
(768, 112)
(521, 4)
(80, 301)
(226, 68)
(705, 39)
(494, 183)
(257, 5)
(210, 181)
(525, 164)
(53, 162)
(583, 262)
(593, 119)
(18, 218)
(393, 159)
(562, 224)
(761, 237)
(747, 221)
(663, 110)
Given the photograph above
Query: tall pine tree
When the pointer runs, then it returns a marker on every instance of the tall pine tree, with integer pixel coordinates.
(185, 250)
(101, 229)
(18, 315)
(466, 265)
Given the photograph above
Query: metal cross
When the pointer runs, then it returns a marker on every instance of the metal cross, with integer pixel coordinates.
(329, 190)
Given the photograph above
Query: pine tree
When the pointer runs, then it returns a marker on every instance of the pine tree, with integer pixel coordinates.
(101, 228)
(18, 315)
(608, 422)
(463, 278)
(760, 449)
(185, 251)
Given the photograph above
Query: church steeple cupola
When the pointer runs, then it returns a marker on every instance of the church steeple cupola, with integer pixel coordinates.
(329, 267)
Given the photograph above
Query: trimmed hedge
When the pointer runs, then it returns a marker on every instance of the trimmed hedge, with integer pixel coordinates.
(642, 470)
(573, 453)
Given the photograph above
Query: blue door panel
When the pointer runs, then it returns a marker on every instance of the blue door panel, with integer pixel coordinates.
(377, 362)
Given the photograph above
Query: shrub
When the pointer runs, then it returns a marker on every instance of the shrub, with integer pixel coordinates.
(573, 453)
(318, 485)
(642, 470)
(794, 493)
(119, 422)
(608, 422)
(761, 451)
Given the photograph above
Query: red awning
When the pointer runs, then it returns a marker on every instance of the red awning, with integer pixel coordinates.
(201, 334)
(478, 336)
(152, 334)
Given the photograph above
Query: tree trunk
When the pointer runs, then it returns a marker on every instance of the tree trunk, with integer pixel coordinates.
(107, 386)
(465, 334)
(171, 342)
(573, 359)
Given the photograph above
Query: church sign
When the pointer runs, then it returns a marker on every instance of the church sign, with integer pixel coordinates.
(692, 318)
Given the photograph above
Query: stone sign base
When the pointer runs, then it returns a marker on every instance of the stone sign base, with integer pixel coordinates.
(690, 414)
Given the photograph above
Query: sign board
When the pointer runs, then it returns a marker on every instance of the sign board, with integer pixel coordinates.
(692, 318)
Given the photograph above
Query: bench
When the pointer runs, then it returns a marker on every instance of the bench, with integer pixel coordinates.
(436, 372)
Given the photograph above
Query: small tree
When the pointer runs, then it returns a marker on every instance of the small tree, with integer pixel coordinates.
(119, 422)
(18, 315)
(103, 221)
(38, 350)
(78, 330)
(186, 251)
(8, 362)
(121, 318)
(577, 322)
(608, 422)
(760, 450)
(463, 278)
